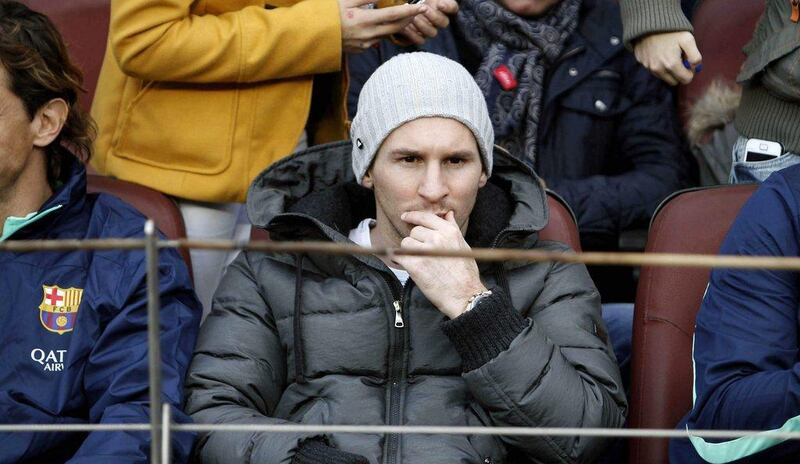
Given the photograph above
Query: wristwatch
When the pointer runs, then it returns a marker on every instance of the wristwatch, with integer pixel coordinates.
(474, 299)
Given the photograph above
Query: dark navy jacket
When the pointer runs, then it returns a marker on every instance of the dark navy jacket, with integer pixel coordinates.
(73, 334)
(747, 339)
(609, 142)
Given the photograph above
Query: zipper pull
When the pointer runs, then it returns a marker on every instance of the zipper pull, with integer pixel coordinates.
(398, 313)
(795, 10)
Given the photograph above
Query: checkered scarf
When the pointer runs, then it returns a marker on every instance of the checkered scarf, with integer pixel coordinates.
(527, 46)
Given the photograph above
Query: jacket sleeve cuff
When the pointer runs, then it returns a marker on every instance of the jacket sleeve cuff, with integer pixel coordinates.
(317, 451)
(645, 17)
(486, 331)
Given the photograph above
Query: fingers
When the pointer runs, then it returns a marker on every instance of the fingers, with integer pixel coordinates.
(425, 219)
(400, 14)
(408, 262)
(679, 71)
(667, 66)
(663, 55)
(413, 34)
(384, 30)
(448, 7)
(355, 3)
(422, 234)
(436, 17)
(693, 56)
(363, 28)
(424, 25)
(423, 28)
(412, 244)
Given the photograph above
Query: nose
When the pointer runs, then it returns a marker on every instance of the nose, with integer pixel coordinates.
(433, 187)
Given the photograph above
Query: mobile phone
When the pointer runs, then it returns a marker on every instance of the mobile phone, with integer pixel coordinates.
(415, 2)
(762, 150)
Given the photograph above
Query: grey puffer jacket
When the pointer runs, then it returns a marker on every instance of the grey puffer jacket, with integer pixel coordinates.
(314, 339)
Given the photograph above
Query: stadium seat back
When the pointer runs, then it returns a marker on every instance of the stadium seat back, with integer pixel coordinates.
(668, 298)
(721, 28)
(562, 226)
(150, 203)
(84, 26)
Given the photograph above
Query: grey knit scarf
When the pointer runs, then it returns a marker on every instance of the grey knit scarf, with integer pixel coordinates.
(527, 46)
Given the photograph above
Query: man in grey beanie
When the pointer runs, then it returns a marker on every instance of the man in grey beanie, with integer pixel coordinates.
(403, 340)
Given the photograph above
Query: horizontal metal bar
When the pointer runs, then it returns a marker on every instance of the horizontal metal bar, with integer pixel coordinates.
(418, 430)
(506, 254)
(63, 245)
(480, 254)
(516, 431)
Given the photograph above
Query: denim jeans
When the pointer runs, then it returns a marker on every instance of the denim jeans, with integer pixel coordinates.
(619, 322)
(748, 172)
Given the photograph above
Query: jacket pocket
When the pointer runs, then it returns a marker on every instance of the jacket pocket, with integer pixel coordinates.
(180, 127)
(589, 116)
(490, 448)
(600, 95)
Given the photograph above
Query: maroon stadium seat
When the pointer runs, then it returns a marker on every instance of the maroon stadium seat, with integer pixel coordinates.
(561, 228)
(667, 300)
(721, 28)
(152, 204)
(84, 25)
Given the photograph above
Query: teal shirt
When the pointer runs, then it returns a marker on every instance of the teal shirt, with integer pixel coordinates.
(14, 223)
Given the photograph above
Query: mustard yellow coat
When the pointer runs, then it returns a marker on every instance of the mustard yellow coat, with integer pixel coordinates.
(196, 97)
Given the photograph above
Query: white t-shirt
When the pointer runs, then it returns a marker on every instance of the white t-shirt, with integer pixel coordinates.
(360, 236)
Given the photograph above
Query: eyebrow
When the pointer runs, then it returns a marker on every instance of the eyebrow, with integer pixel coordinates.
(412, 152)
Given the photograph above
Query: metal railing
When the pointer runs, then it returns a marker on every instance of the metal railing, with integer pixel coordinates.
(161, 426)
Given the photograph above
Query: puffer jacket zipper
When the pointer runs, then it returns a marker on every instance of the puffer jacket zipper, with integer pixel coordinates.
(398, 362)
(398, 354)
(297, 326)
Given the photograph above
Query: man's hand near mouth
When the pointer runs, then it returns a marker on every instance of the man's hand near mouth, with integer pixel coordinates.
(448, 283)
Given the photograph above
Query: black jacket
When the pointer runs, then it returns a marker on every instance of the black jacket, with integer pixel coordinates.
(609, 140)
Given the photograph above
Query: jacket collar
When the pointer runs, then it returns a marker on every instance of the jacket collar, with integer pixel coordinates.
(67, 200)
(312, 195)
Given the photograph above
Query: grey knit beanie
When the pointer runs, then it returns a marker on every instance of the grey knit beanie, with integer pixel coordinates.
(412, 86)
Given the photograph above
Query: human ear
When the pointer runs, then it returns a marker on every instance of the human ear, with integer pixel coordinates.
(483, 180)
(367, 181)
(48, 122)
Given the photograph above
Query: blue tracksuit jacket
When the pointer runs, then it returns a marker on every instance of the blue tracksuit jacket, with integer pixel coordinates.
(747, 342)
(73, 334)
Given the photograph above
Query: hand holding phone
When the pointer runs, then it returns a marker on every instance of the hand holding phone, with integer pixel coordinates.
(363, 28)
(427, 26)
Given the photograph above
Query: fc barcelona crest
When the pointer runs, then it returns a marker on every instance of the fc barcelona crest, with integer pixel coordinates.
(59, 308)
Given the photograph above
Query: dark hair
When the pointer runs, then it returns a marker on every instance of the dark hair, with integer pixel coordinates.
(35, 58)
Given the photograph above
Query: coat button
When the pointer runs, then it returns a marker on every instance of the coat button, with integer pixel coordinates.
(600, 105)
(573, 72)
(614, 40)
